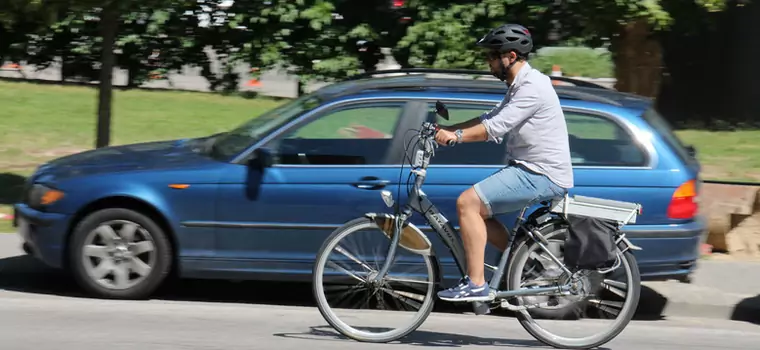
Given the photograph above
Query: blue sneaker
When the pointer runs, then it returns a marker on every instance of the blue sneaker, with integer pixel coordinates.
(466, 291)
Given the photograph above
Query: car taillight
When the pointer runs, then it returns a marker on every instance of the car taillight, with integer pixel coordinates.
(683, 204)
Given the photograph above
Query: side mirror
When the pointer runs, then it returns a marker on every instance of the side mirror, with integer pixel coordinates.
(263, 158)
(441, 110)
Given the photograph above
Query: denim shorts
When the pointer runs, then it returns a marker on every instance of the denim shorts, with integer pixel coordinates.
(515, 187)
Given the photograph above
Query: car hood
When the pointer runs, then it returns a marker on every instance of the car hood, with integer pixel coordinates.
(124, 158)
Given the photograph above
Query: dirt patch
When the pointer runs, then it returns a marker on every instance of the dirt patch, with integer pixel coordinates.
(727, 208)
(714, 171)
(744, 240)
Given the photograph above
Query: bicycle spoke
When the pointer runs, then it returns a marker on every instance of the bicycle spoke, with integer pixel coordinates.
(410, 299)
(347, 291)
(352, 257)
(612, 307)
(619, 288)
(340, 268)
(407, 281)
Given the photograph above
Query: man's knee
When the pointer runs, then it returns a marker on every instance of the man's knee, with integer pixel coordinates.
(469, 201)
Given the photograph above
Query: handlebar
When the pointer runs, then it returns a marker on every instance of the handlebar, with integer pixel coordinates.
(425, 151)
(437, 128)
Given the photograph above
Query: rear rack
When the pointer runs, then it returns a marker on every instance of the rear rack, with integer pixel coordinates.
(622, 212)
(474, 72)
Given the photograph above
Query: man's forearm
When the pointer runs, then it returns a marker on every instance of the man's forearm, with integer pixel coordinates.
(475, 133)
(464, 125)
(473, 130)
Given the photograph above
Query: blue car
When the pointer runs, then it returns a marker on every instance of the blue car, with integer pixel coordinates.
(121, 219)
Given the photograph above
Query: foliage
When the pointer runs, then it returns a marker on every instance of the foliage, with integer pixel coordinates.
(575, 61)
(315, 39)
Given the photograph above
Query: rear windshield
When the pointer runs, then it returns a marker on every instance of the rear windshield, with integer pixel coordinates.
(666, 131)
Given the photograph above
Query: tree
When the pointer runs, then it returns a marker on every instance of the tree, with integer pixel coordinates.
(318, 38)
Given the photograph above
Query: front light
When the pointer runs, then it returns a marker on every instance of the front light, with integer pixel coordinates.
(41, 195)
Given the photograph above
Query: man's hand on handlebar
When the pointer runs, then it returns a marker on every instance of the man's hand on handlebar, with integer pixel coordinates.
(445, 137)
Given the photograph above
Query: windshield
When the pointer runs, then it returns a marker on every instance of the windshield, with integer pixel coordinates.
(235, 141)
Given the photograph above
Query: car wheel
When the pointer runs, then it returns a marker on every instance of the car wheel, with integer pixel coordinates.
(119, 254)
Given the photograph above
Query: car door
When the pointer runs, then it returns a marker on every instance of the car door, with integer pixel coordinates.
(330, 168)
(454, 169)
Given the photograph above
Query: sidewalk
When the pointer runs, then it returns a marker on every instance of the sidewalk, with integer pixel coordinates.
(728, 290)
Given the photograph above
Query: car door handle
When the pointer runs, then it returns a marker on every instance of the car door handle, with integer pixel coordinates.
(370, 183)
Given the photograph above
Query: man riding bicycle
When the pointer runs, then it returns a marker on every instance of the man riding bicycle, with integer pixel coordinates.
(539, 166)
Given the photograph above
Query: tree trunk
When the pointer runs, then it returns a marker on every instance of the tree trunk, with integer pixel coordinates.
(109, 26)
(638, 60)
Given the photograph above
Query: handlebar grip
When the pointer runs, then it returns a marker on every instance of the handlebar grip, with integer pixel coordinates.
(451, 143)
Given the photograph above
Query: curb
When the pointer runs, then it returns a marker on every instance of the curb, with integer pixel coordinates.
(676, 299)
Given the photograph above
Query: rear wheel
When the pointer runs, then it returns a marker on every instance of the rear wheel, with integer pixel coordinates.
(608, 302)
(346, 295)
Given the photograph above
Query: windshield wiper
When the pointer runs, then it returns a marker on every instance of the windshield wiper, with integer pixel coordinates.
(206, 145)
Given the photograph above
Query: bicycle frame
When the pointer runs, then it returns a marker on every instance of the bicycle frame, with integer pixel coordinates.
(420, 203)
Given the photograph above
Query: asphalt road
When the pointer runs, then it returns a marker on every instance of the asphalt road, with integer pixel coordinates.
(41, 309)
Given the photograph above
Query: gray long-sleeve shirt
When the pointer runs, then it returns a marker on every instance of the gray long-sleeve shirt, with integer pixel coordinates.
(531, 119)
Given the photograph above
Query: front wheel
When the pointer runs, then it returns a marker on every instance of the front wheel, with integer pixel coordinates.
(356, 306)
(608, 302)
(119, 253)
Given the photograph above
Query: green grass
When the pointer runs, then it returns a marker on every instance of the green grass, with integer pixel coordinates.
(42, 122)
(726, 155)
(575, 61)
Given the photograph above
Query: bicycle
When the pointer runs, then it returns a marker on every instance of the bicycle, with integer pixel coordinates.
(533, 233)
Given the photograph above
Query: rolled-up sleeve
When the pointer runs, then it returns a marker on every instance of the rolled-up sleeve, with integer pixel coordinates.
(505, 117)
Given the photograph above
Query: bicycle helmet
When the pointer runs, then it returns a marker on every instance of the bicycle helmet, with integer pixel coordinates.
(506, 38)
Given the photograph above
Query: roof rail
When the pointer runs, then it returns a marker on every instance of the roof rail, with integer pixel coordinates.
(576, 82)
(422, 83)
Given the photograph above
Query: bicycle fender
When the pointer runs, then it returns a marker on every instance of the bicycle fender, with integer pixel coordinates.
(412, 238)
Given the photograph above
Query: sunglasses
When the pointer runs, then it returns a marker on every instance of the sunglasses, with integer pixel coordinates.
(492, 55)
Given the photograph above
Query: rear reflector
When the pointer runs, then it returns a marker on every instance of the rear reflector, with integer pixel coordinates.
(683, 204)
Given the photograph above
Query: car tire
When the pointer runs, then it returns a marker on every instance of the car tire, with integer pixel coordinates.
(95, 254)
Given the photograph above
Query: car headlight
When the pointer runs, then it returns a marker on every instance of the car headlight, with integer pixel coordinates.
(41, 195)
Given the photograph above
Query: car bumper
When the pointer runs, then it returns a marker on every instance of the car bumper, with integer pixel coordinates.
(668, 251)
(43, 234)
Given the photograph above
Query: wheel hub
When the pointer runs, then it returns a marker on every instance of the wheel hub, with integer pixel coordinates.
(120, 253)
(580, 284)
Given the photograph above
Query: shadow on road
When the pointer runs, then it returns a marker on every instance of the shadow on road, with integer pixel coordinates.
(11, 187)
(421, 338)
(748, 310)
(25, 274)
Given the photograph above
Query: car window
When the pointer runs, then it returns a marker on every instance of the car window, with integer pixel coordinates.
(475, 153)
(662, 127)
(600, 141)
(348, 135)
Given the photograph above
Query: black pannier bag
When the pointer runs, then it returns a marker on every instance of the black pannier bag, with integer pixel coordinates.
(590, 243)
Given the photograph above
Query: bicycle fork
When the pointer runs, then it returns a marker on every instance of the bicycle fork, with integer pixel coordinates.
(397, 224)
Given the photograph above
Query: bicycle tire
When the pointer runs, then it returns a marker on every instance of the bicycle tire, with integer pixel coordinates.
(550, 231)
(339, 325)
